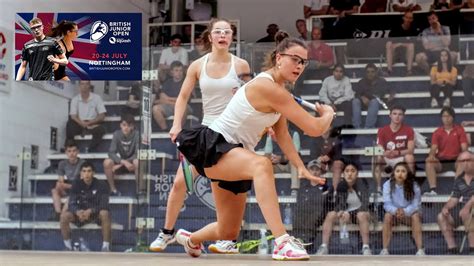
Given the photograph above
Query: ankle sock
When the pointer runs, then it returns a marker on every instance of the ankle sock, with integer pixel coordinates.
(168, 232)
(68, 243)
(280, 239)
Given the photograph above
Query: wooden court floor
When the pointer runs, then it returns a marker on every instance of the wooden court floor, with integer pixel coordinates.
(39, 258)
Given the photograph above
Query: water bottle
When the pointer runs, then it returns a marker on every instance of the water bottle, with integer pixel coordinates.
(297, 141)
(343, 233)
(268, 149)
(287, 214)
(263, 246)
(83, 245)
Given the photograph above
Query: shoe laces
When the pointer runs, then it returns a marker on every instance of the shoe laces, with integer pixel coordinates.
(295, 242)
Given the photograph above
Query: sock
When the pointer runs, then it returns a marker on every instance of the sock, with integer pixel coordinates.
(105, 244)
(433, 189)
(365, 246)
(280, 239)
(324, 245)
(68, 244)
(168, 232)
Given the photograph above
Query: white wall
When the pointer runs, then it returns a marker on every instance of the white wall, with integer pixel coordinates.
(255, 15)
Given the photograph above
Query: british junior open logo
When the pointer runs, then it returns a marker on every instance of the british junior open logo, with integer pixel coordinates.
(98, 31)
(202, 188)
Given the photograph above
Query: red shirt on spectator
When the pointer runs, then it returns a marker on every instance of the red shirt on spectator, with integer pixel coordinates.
(390, 140)
(449, 144)
(322, 53)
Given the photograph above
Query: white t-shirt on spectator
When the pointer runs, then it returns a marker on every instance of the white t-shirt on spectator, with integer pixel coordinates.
(316, 4)
(404, 3)
(88, 109)
(168, 57)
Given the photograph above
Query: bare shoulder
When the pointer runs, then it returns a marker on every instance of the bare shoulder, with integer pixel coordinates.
(195, 68)
(242, 66)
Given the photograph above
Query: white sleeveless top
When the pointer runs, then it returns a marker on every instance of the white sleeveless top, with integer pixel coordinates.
(216, 93)
(241, 123)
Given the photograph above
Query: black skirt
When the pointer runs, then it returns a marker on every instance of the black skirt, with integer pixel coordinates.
(203, 148)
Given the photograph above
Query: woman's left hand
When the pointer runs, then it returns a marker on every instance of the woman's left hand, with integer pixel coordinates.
(304, 173)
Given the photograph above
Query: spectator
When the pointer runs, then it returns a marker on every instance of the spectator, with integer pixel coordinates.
(440, 5)
(302, 30)
(469, 136)
(352, 205)
(87, 112)
(368, 93)
(405, 5)
(320, 54)
(434, 39)
(89, 202)
(468, 85)
(447, 142)
(402, 37)
(123, 153)
(402, 204)
(327, 149)
(134, 99)
(68, 172)
(443, 78)
(452, 215)
(466, 4)
(398, 142)
(337, 92)
(199, 49)
(174, 53)
(164, 105)
(373, 6)
(343, 8)
(272, 29)
(458, 4)
(315, 8)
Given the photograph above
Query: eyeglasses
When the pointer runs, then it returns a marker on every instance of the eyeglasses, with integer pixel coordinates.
(37, 27)
(297, 59)
(222, 32)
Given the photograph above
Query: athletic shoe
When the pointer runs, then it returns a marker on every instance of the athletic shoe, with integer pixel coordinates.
(467, 105)
(384, 252)
(434, 103)
(447, 102)
(183, 238)
(322, 250)
(161, 242)
(430, 193)
(366, 251)
(224, 247)
(420, 252)
(105, 249)
(290, 249)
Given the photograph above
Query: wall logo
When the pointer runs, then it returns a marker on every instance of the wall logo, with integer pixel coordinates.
(202, 188)
(112, 40)
(359, 34)
(98, 31)
(3, 44)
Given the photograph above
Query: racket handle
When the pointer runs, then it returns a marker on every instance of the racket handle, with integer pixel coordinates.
(304, 103)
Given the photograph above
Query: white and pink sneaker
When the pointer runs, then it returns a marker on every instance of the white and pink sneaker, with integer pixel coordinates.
(290, 249)
(182, 237)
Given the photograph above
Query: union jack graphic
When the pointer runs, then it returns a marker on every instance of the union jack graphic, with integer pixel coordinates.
(83, 48)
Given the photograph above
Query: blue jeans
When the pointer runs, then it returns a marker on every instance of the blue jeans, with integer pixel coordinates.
(467, 86)
(372, 112)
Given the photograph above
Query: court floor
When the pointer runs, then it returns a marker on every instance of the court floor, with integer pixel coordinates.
(13, 258)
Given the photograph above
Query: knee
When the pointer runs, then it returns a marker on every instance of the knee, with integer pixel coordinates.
(104, 215)
(338, 165)
(388, 46)
(416, 217)
(409, 158)
(363, 216)
(108, 163)
(157, 109)
(331, 216)
(388, 218)
(262, 163)
(178, 183)
(65, 217)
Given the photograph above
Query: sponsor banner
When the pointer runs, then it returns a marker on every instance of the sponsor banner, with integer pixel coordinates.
(107, 47)
(6, 41)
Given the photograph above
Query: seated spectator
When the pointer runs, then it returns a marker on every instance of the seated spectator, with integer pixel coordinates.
(398, 142)
(343, 8)
(87, 112)
(352, 206)
(68, 172)
(134, 99)
(174, 53)
(337, 92)
(402, 37)
(405, 5)
(315, 8)
(440, 5)
(469, 136)
(320, 55)
(302, 30)
(280, 162)
(123, 153)
(199, 49)
(468, 85)
(369, 92)
(466, 4)
(164, 105)
(434, 39)
(402, 203)
(272, 29)
(443, 78)
(373, 6)
(327, 149)
(88, 203)
(447, 142)
(457, 210)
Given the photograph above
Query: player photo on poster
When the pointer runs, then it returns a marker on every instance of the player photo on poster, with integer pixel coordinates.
(13, 178)
(6, 38)
(78, 46)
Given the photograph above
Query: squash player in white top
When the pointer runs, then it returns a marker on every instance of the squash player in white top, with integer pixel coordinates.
(224, 150)
(218, 75)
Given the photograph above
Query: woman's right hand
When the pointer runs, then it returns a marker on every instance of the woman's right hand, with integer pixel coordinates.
(174, 131)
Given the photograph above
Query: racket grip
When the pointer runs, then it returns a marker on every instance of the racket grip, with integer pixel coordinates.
(304, 103)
